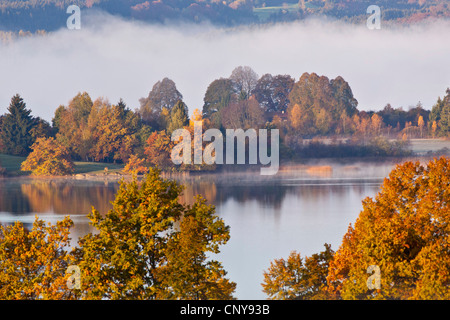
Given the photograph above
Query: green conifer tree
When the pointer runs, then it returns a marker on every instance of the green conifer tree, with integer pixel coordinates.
(178, 117)
(16, 134)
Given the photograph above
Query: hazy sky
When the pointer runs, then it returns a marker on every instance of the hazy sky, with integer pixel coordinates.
(116, 59)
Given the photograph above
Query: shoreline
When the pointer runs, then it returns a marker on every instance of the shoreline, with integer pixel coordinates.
(318, 165)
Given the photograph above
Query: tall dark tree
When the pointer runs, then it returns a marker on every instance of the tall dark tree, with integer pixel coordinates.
(1, 141)
(272, 92)
(164, 95)
(16, 128)
(220, 94)
(441, 114)
(41, 129)
(343, 95)
(445, 115)
(59, 115)
(179, 117)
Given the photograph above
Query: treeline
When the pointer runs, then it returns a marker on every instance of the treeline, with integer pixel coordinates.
(315, 116)
(51, 14)
(398, 11)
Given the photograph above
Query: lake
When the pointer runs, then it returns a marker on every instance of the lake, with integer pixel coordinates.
(301, 208)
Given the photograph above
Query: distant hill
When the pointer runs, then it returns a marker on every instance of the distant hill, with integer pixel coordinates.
(49, 15)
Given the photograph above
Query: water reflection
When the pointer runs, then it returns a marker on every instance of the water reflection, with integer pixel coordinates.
(298, 209)
(23, 199)
(22, 196)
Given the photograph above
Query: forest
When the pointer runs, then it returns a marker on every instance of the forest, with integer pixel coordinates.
(317, 117)
(49, 15)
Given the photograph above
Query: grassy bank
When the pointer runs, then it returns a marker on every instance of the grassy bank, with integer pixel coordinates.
(96, 167)
(425, 146)
(12, 166)
(417, 147)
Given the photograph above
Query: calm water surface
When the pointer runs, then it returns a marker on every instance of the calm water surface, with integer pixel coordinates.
(298, 209)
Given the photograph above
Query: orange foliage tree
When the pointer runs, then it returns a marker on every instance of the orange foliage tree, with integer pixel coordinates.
(49, 157)
(405, 231)
(135, 165)
(158, 149)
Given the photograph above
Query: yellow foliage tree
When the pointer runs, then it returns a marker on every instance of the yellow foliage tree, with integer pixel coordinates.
(150, 245)
(33, 263)
(138, 253)
(188, 275)
(295, 117)
(421, 124)
(434, 129)
(48, 157)
(376, 122)
(197, 116)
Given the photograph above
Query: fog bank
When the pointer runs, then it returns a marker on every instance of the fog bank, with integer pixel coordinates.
(115, 59)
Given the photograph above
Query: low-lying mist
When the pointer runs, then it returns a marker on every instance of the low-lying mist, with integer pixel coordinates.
(115, 59)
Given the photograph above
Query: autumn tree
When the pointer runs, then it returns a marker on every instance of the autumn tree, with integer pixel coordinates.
(434, 129)
(72, 122)
(16, 130)
(219, 94)
(34, 263)
(139, 254)
(244, 114)
(421, 124)
(99, 130)
(244, 81)
(300, 119)
(343, 95)
(322, 120)
(189, 274)
(48, 157)
(197, 127)
(322, 101)
(197, 117)
(272, 92)
(376, 123)
(298, 279)
(107, 131)
(158, 149)
(345, 124)
(164, 94)
(404, 231)
(135, 166)
(363, 128)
